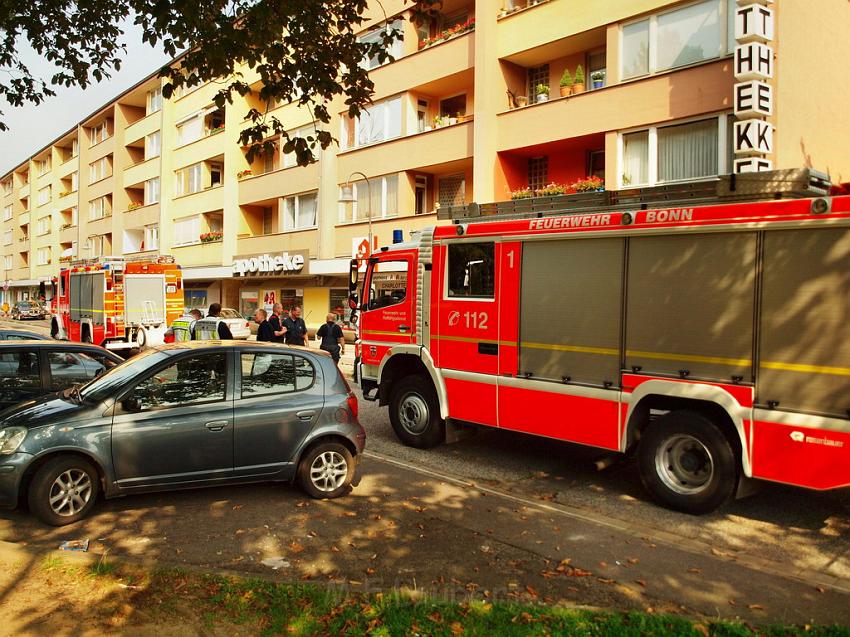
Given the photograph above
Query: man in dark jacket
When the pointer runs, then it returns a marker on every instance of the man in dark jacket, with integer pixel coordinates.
(224, 332)
(264, 331)
(296, 328)
(276, 322)
(331, 338)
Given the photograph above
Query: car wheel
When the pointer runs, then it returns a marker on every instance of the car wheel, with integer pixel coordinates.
(64, 490)
(415, 413)
(687, 463)
(326, 471)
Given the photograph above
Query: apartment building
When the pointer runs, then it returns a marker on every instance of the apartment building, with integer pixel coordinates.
(456, 118)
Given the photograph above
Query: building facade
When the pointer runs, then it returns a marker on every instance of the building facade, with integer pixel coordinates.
(472, 109)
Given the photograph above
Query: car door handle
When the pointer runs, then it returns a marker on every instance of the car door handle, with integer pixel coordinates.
(306, 415)
(216, 425)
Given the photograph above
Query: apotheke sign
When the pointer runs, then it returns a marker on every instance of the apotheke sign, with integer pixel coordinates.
(267, 264)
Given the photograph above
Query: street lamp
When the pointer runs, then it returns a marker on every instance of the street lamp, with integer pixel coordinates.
(347, 196)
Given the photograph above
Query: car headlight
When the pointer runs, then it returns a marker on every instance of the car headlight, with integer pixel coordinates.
(11, 438)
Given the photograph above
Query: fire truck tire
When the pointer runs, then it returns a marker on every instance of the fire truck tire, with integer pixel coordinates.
(85, 334)
(54, 329)
(415, 413)
(141, 338)
(687, 463)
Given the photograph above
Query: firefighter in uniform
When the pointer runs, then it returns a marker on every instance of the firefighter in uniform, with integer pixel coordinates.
(183, 328)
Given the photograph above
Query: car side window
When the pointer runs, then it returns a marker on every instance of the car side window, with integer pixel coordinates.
(16, 337)
(192, 380)
(69, 368)
(20, 369)
(264, 373)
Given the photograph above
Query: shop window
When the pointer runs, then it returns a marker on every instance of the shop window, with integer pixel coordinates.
(471, 270)
(249, 301)
(195, 299)
(290, 298)
(338, 302)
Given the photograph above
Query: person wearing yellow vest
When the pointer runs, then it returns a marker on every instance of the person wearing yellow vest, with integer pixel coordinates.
(183, 328)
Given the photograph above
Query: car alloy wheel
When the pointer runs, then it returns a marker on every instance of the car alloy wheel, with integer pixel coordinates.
(328, 471)
(70, 492)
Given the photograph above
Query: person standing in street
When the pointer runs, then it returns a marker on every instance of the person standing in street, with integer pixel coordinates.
(222, 329)
(331, 338)
(296, 328)
(265, 333)
(276, 323)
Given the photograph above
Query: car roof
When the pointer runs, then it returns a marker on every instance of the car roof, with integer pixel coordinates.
(58, 346)
(34, 335)
(245, 345)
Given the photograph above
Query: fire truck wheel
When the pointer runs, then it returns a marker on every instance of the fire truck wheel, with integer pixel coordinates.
(141, 338)
(415, 413)
(54, 329)
(85, 334)
(687, 463)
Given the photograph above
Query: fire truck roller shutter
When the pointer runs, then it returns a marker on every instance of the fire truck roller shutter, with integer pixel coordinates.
(571, 302)
(804, 361)
(98, 290)
(691, 301)
(144, 299)
(74, 295)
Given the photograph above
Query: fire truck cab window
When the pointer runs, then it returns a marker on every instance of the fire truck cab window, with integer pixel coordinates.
(388, 284)
(471, 270)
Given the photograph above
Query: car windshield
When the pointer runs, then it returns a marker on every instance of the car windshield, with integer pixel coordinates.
(24, 306)
(108, 384)
(230, 314)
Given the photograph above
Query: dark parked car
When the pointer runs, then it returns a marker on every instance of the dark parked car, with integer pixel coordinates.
(22, 335)
(28, 310)
(183, 415)
(32, 368)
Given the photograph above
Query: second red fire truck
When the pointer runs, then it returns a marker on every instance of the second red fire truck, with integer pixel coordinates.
(116, 302)
(704, 327)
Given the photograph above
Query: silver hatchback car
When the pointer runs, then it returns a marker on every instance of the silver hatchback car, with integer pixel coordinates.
(183, 415)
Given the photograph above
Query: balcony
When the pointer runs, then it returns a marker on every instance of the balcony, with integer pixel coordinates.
(306, 240)
(199, 254)
(426, 66)
(201, 201)
(417, 151)
(142, 216)
(141, 172)
(66, 168)
(99, 226)
(20, 273)
(69, 234)
(24, 191)
(679, 94)
(204, 148)
(278, 183)
(68, 200)
(24, 219)
(143, 127)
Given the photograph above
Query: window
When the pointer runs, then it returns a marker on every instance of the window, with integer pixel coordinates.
(7, 262)
(99, 132)
(214, 221)
(189, 381)
(596, 63)
(536, 75)
(19, 370)
(684, 150)
(152, 191)
(216, 173)
(596, 164)
(190, 130)
(74, 216)
(42, 166)
(420, 199)
(44, 196)
(471, 270)
(187, 230)
(43, 256)
(44, 225)
(7, 238)
(289, 159)
(7, 213)
(452, 191)
(75, 181)
(387, 284)
(70, 368)
(188, 180)
(453, 106)
(264, 374)
(378, 198)
(338, 302)
(151, 241)
(7, 187)
(268, 220)
(396, 49)
(154, 101)
(377, 123)
(687, 35)
(75, 147)
(98, 170)
(153, 145)
(98, 245)
(99, 208)
(538, 172)
(300, 211)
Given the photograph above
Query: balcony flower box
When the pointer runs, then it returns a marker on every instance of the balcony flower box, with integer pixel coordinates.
(216, 130)
(242, 174)
(65, 259)
(211, 237)
(65, 193)
(134, 205)
(448, 34)
(65, 226)
(584, 185)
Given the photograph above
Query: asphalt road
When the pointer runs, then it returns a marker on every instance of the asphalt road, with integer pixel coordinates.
(498, 511)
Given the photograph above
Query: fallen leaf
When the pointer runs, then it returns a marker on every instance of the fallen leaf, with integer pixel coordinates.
(820, 589)
(456, 628)
(532, 591)
(641, 582)
(370, 571)
(633, 560)
(350, 514)
(605, 581)
(334, 549)
(236, 507)
(732, 602)
(701, 629)
(295, 547)
(755, 606)
(694, 569)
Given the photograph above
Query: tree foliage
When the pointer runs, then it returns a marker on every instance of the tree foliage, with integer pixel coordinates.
(304, 51)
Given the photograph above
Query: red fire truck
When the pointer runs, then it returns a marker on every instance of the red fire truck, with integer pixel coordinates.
(116, 302)
(704, 327)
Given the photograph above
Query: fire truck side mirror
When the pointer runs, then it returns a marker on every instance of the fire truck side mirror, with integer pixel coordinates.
(353, 301)
(352, 275)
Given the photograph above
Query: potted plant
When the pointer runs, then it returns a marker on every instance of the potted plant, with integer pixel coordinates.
(598, 79)
(578, 81)
(542, 92)
(244, 173)
(566, 83)
(521, 100)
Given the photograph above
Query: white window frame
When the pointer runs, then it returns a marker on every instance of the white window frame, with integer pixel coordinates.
(98, 204)
(44, 225)
(727, 47)
(652, 149)
(153, 101)
(196, 238)
(289, 159)
(7, 262)
(295, 202)
(43, 256)
(376, 34)
(75, 147)
(7, 187)
(7, 213)
(100, 132)
(44, 195)
(7, 238)
(98, 169)
(357, 122)
(374, 182)
(151, 236)
(153, 148)
(152, 192)
(190, 178)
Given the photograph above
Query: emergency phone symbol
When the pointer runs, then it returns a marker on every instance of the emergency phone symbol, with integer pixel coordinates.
(798, 436)
(454, 318)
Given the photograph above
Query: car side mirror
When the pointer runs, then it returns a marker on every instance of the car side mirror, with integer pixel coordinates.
(131, 404)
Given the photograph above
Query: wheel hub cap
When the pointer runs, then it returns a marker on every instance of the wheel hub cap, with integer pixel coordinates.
(328, 471)
(70, 492)
(413, 414)
(684, 464)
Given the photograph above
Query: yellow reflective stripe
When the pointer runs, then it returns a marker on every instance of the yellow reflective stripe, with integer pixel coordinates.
(801, 367)
(465, 339)
(389, 333)
(715, 360)
(605, 351)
